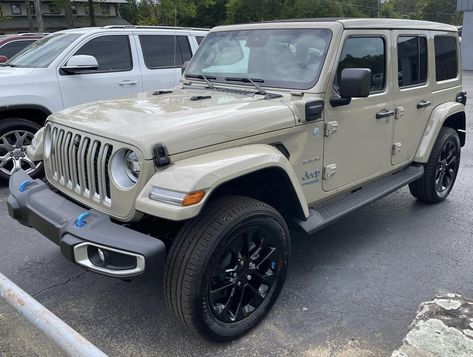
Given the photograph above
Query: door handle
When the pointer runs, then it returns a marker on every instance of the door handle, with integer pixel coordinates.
(127, 83)
(423, 104)
(384, 114)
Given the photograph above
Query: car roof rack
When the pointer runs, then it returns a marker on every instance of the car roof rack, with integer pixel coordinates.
(155, 27)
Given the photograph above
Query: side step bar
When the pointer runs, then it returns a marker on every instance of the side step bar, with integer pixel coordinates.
(322, 215)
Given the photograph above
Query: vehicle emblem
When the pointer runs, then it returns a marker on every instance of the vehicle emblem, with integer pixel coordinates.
(316, 132)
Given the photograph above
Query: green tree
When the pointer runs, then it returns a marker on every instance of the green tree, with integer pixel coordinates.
(440, 11)
(241, 11)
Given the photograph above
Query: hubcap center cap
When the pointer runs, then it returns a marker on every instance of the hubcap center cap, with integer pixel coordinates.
(17, 153)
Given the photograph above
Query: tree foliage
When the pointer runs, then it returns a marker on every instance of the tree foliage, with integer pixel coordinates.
(209, 13)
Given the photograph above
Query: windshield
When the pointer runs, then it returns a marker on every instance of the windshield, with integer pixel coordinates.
(283, 58)
(41, 53)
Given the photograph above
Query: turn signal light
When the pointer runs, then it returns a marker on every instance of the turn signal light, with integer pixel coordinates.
(193, 198)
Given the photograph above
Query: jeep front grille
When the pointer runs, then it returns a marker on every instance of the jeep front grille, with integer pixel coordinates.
(80, 163)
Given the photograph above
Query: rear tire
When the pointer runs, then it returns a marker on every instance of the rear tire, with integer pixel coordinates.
(441, 170)
(15, 135)
(226, 268)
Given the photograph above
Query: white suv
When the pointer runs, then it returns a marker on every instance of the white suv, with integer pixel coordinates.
(76, 66)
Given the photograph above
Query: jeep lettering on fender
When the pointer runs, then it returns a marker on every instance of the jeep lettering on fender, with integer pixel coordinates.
(277, 122)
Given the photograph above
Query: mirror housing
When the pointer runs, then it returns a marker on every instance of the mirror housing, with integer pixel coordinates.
(80, 64)
(3, 59)
(355, 83)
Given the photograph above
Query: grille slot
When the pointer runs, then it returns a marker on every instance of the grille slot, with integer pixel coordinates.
(80, 163)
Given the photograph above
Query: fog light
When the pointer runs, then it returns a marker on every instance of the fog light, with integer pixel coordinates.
(101, 255)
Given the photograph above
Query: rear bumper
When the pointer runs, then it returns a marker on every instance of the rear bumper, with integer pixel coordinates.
(82, 233)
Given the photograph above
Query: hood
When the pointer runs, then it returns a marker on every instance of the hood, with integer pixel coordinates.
(182, 120)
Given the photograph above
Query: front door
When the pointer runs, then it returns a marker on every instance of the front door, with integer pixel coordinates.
(360, 147)
(118, 74)
(412, 95)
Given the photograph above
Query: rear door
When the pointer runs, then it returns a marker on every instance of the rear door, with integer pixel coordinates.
(412, 91)
(118, 74)
(360, 147)
(162, 57)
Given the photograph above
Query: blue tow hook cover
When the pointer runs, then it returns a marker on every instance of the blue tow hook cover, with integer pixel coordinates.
(24, 185)
(80, 220)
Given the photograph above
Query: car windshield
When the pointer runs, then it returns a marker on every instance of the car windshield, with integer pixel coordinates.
(41, 53)
(281, 58)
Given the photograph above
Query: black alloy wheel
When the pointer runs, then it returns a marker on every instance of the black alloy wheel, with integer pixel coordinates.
(245, 272)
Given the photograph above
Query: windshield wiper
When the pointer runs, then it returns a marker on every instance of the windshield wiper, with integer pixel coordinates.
(205, 78)
(249, 80)
(257, 86)
(8, 65)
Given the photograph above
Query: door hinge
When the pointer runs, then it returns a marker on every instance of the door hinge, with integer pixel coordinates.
(329, 171)
(399, 112)
(330, 128)
(397, 147)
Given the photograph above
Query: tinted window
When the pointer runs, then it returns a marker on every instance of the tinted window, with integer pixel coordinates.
(12, 48)
(165, 51)
(199, 39)
(112, 53)
(446, 61)
(185, 48)
(365, 52)
(412, 60)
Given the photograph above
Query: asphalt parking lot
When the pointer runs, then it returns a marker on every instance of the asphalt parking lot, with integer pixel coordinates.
(352, 289)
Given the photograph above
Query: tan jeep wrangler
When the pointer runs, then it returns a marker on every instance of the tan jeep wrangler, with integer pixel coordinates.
(278, 123)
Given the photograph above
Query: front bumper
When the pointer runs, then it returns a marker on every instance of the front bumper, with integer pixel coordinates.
(86, 237)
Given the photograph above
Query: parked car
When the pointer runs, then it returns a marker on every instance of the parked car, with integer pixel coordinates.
(10, 45)
(275, 123)
(76, 66)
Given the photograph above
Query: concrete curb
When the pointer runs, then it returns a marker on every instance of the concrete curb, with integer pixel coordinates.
(442, 327)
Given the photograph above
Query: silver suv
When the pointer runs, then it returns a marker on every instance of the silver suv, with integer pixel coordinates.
(276, 123)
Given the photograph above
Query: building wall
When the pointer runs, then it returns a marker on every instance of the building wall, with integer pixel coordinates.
(47, 8)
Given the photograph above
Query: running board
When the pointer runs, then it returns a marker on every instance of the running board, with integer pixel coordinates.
(322, 215)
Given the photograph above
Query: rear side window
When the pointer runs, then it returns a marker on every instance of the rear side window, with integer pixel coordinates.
(365, 52)
(412, 60)
(112, 53)
(12, 48)
(446, 57)
(165, 51)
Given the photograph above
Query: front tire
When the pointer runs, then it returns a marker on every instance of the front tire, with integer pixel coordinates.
(441, 170)
(15, 135)
(226, 268)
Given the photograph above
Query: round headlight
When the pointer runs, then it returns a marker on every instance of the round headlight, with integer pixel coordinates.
(48, 142)
(132, 165)
(125, 168)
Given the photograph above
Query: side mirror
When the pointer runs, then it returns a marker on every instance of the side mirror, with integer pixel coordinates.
(184, 66)
(3, 59)
(355, 83)
(80, 64)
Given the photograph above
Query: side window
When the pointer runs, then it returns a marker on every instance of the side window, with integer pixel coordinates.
(165, 51)
(185, 47)
(12, 48)
(446, 57)
(365, 52)
(199, 39)
(412, 60)
(112, 53)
